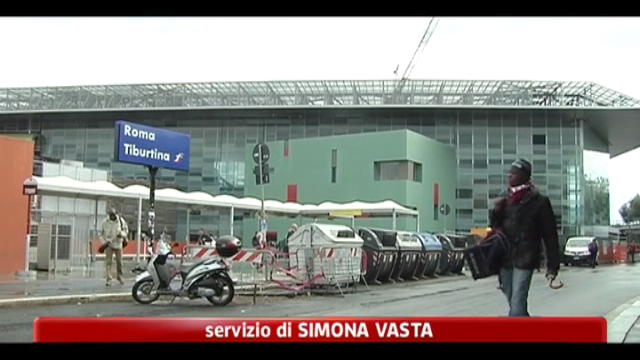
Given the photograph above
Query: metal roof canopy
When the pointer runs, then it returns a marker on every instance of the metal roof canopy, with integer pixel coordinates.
(315, 93)
(612, 115)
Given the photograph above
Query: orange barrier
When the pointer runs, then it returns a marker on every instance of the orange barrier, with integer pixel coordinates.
(606, 253)
(617, 254)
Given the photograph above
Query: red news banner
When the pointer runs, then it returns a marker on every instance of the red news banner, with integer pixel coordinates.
(563, 330)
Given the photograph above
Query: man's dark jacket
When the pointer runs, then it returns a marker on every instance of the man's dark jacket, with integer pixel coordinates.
(525, 224)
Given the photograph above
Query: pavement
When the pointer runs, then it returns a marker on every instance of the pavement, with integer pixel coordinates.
(80, 285)
(88, 286)
(49, 288)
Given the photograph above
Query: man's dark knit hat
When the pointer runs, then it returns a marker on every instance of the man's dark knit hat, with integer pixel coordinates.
(523, 166)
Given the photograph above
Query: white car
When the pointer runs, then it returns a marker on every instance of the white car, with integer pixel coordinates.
(576, 251)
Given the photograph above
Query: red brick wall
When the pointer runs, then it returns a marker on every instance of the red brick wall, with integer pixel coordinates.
(16, 163)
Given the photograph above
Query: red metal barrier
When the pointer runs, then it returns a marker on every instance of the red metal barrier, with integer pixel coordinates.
(606, 253)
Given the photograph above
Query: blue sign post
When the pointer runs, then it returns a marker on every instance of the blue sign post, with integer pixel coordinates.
(154, 148)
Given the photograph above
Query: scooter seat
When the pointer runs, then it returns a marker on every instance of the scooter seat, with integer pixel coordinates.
(185, 269)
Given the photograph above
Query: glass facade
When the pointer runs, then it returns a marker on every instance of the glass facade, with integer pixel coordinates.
(487, 142)
(596, 179)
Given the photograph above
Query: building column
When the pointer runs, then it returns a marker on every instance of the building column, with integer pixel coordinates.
(188, 236)
(232, 214)
(393, 214)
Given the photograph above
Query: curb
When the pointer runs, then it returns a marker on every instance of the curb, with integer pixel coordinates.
(621, 320)
(63, 299)
(74, 299)
(247, 290)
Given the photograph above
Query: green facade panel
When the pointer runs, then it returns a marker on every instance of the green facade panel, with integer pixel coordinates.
(307, 164)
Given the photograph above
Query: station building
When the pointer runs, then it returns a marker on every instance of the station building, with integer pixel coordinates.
(486, 124)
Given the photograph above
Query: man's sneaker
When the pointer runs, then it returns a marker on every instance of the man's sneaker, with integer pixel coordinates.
(121, 281)
(108, 283)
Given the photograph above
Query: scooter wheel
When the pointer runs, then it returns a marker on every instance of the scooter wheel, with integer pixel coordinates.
(141, 291)
(224, 291)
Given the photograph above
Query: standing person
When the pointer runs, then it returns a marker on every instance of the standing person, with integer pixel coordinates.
(114, 232)
(528, 219)
(593, 251)
(258, 240)
(204, 238)
(292, 229)
(284, 245)
(165, 235)
(210, 240)
(201, 236)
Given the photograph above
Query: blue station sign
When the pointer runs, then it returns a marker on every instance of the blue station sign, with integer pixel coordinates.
(145, 145)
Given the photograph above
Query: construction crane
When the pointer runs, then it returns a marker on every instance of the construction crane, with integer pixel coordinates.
(433, 23)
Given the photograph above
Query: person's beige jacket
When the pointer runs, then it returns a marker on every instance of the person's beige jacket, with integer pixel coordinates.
(111, 229)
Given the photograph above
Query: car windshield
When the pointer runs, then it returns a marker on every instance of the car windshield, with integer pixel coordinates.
(578, 243)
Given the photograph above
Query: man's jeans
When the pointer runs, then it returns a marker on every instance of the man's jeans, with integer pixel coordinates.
(515, 286)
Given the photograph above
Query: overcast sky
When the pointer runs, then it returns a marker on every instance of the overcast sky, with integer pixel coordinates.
(91, 51)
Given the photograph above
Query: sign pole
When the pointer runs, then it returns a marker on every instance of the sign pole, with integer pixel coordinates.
(30, 188)
(26, 256)
(261, 155)
(139, 232)
(152, 200)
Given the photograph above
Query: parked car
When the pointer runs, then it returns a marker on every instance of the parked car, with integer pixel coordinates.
(576, 251)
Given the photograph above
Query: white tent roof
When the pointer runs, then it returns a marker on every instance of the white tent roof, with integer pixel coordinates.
(324, 234)
(64, 186)
(383, 207)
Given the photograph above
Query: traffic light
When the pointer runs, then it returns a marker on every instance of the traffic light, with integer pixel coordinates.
(265, 174)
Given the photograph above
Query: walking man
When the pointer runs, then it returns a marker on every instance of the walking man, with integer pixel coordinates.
(593, 250)
(114, 232)
(528, 221)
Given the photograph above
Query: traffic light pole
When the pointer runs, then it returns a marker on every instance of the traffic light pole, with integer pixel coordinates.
(262, 215)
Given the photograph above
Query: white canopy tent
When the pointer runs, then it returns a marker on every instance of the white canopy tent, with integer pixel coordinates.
(383, 208)
(100, 190)
(64, 186)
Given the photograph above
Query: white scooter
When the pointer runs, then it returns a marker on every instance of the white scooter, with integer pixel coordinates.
(208, 278)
